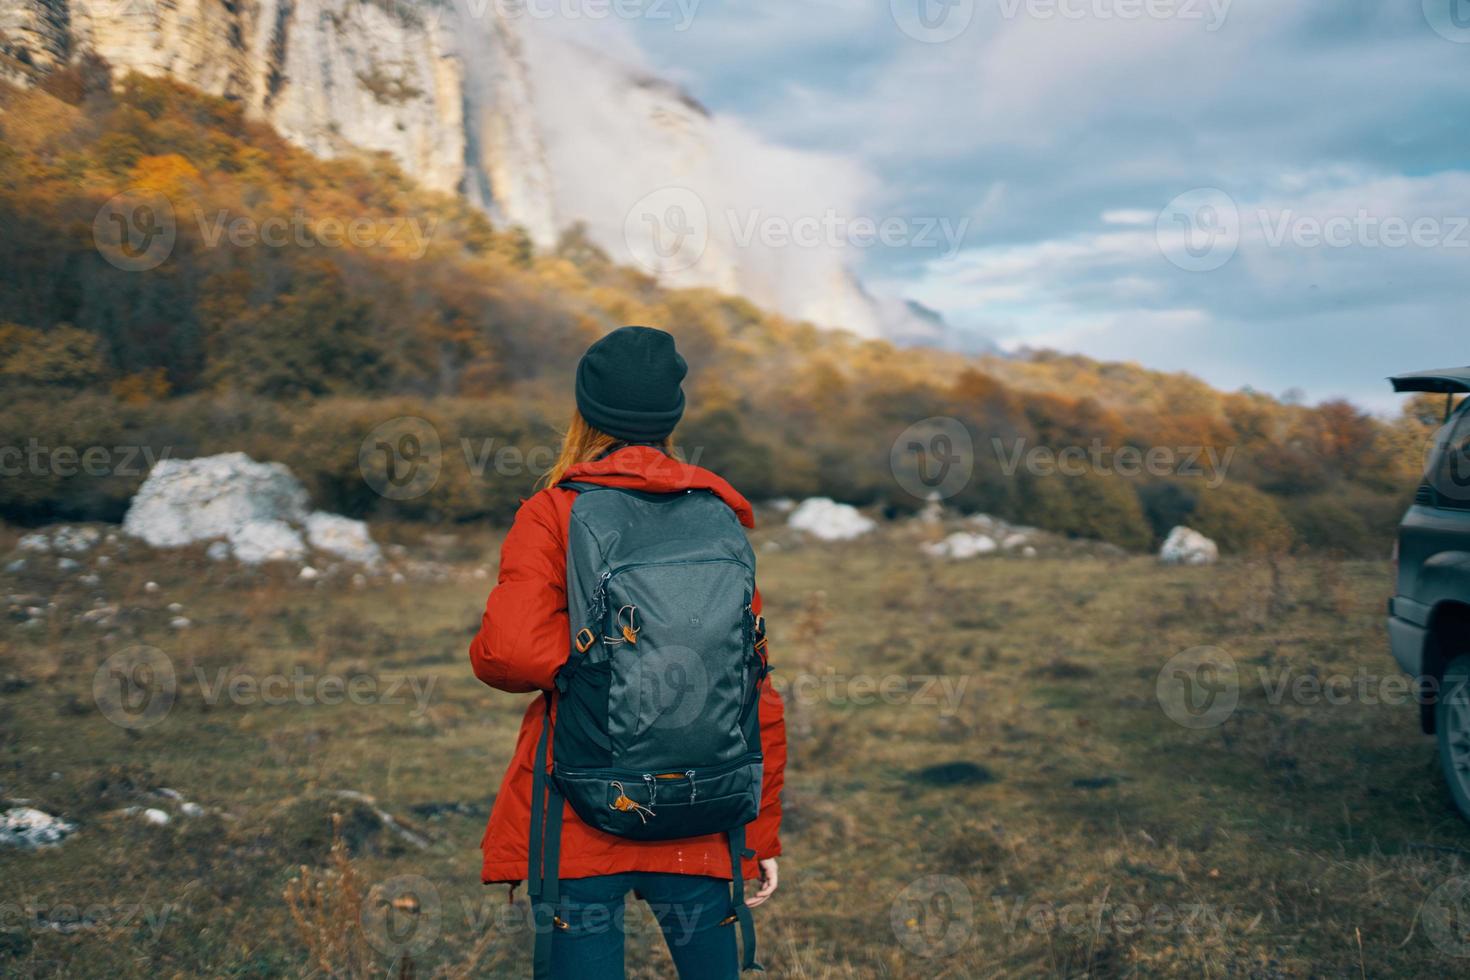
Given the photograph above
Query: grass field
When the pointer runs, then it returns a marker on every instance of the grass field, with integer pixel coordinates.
(984, 780)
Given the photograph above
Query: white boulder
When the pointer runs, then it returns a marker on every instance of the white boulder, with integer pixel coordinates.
(29, 828)
(824, 518)
(961, 544)
(258, 541)
(255, 512)
(189, 500)
(342, 537)
(1185, 546)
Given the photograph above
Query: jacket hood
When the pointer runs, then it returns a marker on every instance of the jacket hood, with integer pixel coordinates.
(646, 468)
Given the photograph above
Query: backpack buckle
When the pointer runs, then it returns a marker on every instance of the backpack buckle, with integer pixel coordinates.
(584, 640)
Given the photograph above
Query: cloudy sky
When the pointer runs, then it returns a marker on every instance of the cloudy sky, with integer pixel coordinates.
(1272, 193)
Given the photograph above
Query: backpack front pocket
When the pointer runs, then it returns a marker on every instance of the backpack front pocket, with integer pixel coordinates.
(665, 805)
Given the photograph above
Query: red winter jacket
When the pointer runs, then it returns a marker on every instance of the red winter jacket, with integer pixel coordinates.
(524, 638)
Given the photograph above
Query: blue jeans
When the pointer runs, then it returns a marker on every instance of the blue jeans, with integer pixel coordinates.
(689, 909)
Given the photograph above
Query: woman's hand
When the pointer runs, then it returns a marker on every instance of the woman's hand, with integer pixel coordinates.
(768, 883)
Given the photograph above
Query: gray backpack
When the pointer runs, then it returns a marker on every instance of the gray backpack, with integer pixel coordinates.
(657, 732)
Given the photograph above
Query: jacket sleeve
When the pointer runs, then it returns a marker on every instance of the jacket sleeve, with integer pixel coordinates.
(522, 640)
(763, 835)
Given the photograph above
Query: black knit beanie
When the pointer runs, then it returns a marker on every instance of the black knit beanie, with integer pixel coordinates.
(628, 384)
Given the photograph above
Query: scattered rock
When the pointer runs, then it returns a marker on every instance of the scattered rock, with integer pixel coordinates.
(1028, 552)
(30, 829)
(1013, 540)
(218, 551)
(827, 520)
(150, 586)
(342, 537)
(309, 574)
(180, 622)
(1185, 546)
(960, 544)
(67, 564)
(16, 567)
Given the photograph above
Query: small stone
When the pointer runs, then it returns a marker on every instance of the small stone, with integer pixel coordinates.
(397, 578)
(190, 809)
(359, 581)
(218, 551)
(155, 817)
(308, 574)
(175, 607)
(68, 564)
(180, 622)
(16, 567)
(150, 586)
(1028, 552)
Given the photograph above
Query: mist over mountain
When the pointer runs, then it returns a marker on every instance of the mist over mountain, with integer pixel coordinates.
(536, 127)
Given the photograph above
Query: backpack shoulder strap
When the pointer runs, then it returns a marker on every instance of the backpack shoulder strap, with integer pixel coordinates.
(543, 885)
(739, 911)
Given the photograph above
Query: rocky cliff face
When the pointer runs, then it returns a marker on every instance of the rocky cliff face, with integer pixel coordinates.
(538, 130)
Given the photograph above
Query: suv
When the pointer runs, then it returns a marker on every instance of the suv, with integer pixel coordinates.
(1429, 616)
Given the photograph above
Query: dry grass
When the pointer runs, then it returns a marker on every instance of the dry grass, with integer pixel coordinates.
(1021, 807)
